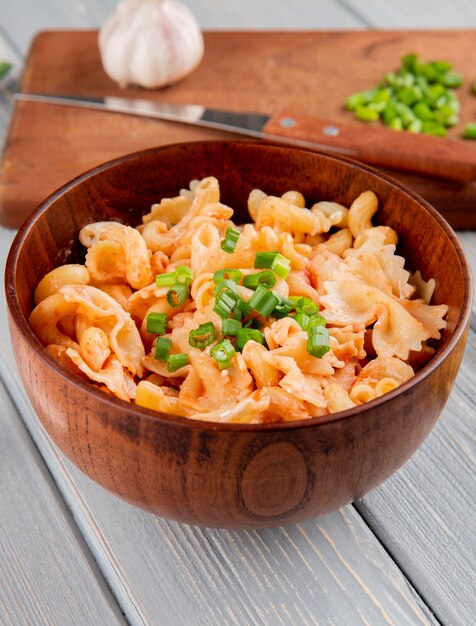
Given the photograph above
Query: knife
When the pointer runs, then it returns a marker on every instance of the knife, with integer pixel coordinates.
(426, 155)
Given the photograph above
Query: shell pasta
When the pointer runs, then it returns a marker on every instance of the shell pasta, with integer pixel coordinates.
(300, 313)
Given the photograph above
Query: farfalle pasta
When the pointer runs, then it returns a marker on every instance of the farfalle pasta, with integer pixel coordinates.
(301, 313)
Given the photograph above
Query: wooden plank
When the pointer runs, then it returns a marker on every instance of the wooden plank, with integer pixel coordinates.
(30, 17)
(47, 574)
(421, 14)
(50, 144)
(424, 514)
(326, 571)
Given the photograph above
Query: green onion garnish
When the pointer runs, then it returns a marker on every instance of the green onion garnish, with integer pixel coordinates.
(241, 310)
(263, 301)
(223, 352)
(184, 275)
(225, 303)
(202, 336)
(225, 285)
(228, 244)
(283, 308)
(318, 341)
(176, 361)
(248, 334)
(227, 274)
(253, 323)
(230, 327)
(316, 321)
(302, 319)
(178, 295)
(162, 348)
(166, 280)
(274, 261)
(265, 259)
(4, 67)
(470, 131)
(281, 266)
(266, 278)
(307, 306)
(157, 323)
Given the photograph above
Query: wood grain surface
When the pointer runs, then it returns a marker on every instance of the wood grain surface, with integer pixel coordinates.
(421, 513)
(314, 72)
(40, 585)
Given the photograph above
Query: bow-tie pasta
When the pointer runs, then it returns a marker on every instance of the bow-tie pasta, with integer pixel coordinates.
(300, 313)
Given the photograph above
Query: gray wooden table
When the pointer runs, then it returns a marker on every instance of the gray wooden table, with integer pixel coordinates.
(70, 553)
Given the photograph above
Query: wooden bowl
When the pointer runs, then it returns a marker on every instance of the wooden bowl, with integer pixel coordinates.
(231, 475)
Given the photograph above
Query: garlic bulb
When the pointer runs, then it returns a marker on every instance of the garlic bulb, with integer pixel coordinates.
(151, 43)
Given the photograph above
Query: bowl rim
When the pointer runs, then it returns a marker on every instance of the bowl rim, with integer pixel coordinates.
(121, 406)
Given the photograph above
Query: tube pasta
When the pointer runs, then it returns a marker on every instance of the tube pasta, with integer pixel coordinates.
(93, 318)
(339, 242)
(361, 212)
(60, 276)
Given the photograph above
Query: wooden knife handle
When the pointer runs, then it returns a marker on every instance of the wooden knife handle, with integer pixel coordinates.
(441, 157)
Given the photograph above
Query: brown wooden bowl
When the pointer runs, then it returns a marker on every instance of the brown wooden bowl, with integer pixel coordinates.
(233, 475)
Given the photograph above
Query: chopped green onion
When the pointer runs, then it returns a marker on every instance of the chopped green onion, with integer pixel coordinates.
(225, 285)
(248, 334)
(316, 321)
(470, 131)
(223, 352)
(283, 308)
(281, 266)
(266, 278)
(253, 323)
(318, 341)
(265, 259)
(366, 114)
(241, 310)
(157, 323)
(178, 295)
(230, 327)
(307, 306)
(295, 300)
(202, 336)
(184, 275)
(416, 93)
(396, 123)
(452, 79)
(302, 319)
(274, 261)
(360, 98)
(166, 280)
(263, 301)
(423, 111)
(227, 274)
(162, 348)
(433, 128)
(4, 67)
(415, 126)
(176, 362)
(409, 60)
(225, 303)
(228, 244)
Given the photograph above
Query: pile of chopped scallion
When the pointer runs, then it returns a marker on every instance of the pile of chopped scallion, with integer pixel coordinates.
(241, 320)
(419, 98)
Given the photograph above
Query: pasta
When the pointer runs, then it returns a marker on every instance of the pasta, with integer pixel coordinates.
(301, 313)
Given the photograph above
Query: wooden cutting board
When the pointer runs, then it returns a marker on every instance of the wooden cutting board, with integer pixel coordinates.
(47, 144)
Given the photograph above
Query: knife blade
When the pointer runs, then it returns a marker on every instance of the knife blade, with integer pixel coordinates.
(419, 154)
